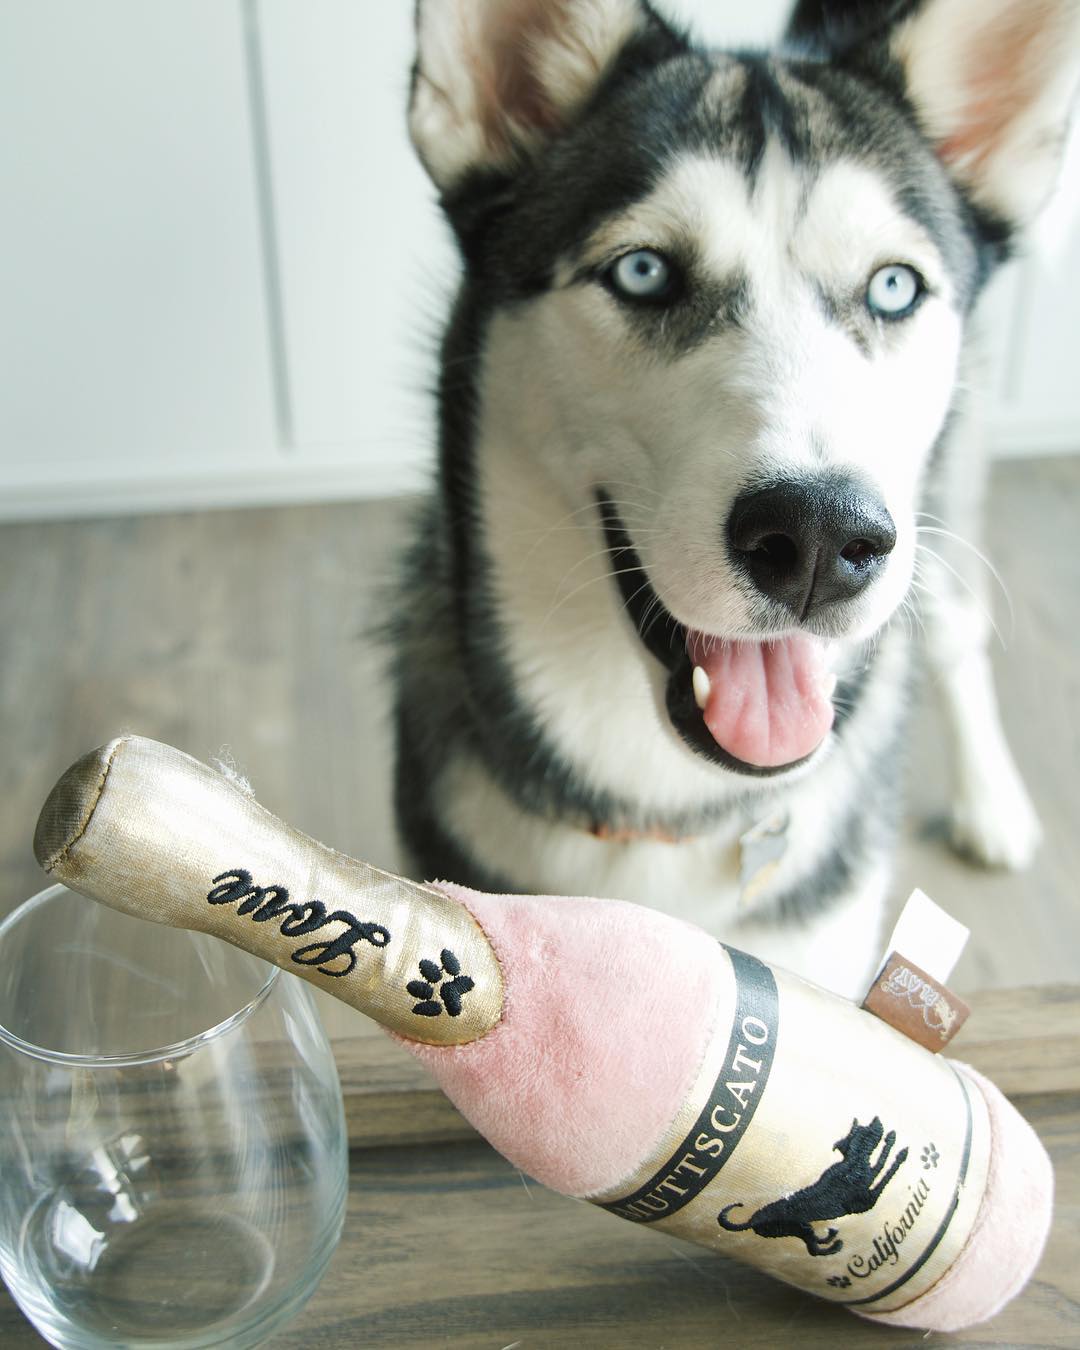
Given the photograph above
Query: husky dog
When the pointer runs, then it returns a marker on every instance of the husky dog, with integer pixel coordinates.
(703, 413)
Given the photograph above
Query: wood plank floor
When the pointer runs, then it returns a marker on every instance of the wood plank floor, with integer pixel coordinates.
(248, 633)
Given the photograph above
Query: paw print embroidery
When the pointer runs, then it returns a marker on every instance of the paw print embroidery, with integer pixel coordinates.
(930, 1157)
(839, 1281)
(434, 987)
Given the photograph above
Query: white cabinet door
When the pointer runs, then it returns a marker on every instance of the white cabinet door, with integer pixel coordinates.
(1037, 406)
(134, 343)
(366, 267)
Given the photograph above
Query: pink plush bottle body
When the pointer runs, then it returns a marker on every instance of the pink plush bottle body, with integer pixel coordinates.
(612, 1052)
(661, 1075)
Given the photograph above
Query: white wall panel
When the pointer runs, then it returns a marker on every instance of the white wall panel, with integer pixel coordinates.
(1038, 404)
(365, 262)
(730, 23)
(133, 334)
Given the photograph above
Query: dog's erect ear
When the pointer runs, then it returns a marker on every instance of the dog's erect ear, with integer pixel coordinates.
(494, 78)
(992, 82)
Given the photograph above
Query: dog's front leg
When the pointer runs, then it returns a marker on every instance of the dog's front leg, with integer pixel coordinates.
(992, 819)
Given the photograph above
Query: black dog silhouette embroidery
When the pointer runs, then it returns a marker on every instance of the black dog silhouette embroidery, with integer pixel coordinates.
(847, 1187)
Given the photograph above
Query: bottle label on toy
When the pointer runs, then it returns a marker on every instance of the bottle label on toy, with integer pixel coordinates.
(796, 1154)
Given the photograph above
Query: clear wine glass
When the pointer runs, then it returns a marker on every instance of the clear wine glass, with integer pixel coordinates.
(173, 1157)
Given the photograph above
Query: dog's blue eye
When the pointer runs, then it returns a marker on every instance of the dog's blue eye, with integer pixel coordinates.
(893, 291)
(643, 275)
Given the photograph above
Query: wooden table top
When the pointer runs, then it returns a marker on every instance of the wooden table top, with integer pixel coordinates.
(446, 1245)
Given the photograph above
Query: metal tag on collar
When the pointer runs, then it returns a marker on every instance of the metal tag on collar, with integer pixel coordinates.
(761, 850)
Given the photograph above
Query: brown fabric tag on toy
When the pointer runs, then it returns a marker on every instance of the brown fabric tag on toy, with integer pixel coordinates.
(914, 1003)
(761, 850)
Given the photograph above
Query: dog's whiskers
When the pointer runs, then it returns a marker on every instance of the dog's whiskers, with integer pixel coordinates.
(609, 550)
(914, 620)
(654, 611)
(544, 536)
(941, 529)
(638, 487)
(568, 524)
(977, 599)
(592, 581)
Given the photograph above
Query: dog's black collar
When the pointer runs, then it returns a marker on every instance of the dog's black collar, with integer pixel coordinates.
(665, 638)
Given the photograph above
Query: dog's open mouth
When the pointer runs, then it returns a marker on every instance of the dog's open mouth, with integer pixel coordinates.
(755, 707)
(767, 704)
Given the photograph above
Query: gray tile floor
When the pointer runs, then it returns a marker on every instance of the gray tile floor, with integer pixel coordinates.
(248, 632)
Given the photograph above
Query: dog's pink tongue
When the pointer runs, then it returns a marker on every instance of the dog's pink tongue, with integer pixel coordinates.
(769, 703)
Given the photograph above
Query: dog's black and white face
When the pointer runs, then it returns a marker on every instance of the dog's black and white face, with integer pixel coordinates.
(716, 306)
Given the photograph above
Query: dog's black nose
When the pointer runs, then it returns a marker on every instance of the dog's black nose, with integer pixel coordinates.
(810, 542)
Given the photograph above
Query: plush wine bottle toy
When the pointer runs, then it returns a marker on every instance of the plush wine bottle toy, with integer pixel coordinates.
(610, 1051)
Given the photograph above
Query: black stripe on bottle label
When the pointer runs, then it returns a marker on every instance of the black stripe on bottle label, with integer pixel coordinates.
(725, 1117)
